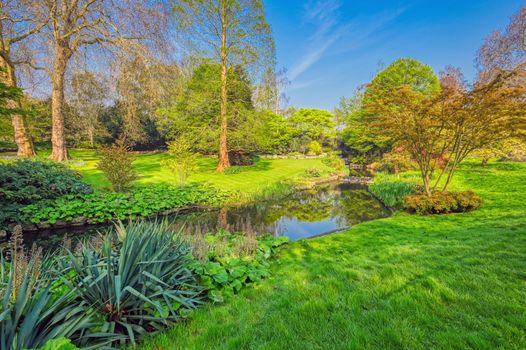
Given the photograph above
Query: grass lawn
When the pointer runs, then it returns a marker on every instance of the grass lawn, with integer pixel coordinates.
(265, 173)
(405, 282)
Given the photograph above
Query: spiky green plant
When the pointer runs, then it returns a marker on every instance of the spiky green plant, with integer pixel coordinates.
(138, 279)
(33, 307)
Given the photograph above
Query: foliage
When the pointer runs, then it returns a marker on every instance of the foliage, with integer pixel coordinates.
(35, 308)
(313, 172)
(141, 202)
(25, 182)
(227, 262)
(442, 202)
(397, 160)
(182, 162)
(138, 281)
(392, 190)
(8, 93)
(315, 148)
(335, 162)
(276, 133)
(312, 125)
(59, 344)
(116, 163)
(364, 140)
(194, 114)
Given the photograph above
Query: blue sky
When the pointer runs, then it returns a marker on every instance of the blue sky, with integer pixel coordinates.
(332, 46)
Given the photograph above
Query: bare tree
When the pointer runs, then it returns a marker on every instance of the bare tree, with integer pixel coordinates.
(99, 25)
(235, 33)
(19, 20)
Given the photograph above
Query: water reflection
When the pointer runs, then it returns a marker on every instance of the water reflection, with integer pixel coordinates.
(302, 214)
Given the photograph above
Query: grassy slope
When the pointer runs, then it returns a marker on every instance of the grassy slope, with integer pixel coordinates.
(266, 171)
(406, 282)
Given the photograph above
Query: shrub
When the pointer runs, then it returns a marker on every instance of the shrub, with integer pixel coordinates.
(442, 203)
(313, 172)
(25, 181)
(59, 344)
(315, 148)
(138, 281)
(116, 163)
(104, 206)
(182, 162)
(392, 193)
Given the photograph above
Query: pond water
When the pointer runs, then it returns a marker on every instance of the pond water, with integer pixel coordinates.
(302, 214)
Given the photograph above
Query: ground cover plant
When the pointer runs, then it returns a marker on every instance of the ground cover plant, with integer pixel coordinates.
(101, 207)
(407, 281)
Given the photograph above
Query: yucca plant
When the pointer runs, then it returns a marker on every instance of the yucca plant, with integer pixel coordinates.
(33, 307)
(138, 279)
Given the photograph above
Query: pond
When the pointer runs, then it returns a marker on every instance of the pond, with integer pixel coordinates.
(302, 214)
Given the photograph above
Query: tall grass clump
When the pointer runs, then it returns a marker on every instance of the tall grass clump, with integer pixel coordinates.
(392, 189)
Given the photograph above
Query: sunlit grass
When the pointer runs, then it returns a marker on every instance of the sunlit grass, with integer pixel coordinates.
(406, 282)
(265, 173)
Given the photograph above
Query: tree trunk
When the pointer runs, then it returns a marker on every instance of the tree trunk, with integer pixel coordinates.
(23, 139)
(58, 137)
(224, 162)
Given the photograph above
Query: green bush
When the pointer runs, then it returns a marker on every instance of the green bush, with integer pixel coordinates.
(59, 344)
(25, 182)
(392, 193)
(313, 172)
(315, 148)
(116, 163)
(104, 206)
(442, 203)
(136, 281)
(182, 162)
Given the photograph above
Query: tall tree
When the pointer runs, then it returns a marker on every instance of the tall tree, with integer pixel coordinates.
(19, 20)
(233, 32)
(95, 24)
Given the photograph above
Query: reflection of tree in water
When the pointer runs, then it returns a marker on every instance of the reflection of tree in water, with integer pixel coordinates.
(347, 204)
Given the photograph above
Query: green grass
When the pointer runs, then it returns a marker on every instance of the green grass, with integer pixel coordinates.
(405, 282)
(265, 173)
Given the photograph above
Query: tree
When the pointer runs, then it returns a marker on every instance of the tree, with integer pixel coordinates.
(364, 142)
(504, 50)
(234, 33)
(85, 107)
(19, 20)
(195, 113)
(312, 124)
(96, 24)
(440, 130)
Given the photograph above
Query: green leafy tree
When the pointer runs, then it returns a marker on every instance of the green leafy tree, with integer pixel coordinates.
(233, 33)
(364, 142)
(194, 114)
(276, 134)
(312, 124)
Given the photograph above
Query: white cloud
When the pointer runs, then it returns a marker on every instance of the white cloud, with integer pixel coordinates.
(331, 30)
